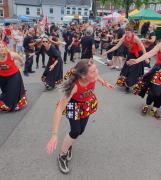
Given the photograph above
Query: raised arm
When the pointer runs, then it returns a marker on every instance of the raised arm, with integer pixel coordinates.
(116, 46)
(147, 55)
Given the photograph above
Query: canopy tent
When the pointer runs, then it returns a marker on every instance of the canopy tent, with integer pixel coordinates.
(146, 14)
(135, 11)
(114, 16)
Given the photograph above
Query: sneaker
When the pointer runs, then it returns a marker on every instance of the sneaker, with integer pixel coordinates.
(63, 164)
(69, 154)
(43, 66)
(145, 110)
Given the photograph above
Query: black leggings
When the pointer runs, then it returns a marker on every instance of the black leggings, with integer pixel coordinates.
(77, 127)
(154, 99)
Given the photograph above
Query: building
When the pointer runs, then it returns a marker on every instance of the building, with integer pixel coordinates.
(31, 8)
(11, 6)
(54, 9)
(78, 8)
(104, 10)
(4, 9)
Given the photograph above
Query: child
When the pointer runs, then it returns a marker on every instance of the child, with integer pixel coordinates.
(80, 102)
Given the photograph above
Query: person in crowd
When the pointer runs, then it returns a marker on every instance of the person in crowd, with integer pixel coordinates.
(68, 38)
(29, 49)
(130, 74)
(118, 54)
(151, 82)
(87, 45)
(53, 73)
(80, 102)
(39, 50)
(13, 96)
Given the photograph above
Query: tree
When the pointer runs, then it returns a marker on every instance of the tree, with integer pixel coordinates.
(127, 3)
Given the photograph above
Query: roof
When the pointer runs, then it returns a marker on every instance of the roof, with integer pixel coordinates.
(54, 2)
(28, 2)
(79, 2)
(146, 14)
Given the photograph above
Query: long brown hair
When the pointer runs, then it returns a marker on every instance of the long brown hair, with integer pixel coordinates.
(80, 69)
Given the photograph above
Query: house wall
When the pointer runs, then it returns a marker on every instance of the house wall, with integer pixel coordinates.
(21, 10)
(5, 8)
(56, 16)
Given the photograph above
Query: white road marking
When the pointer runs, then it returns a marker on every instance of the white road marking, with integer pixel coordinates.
(98, 59)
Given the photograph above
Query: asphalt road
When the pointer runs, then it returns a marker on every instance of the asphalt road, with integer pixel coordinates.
(118, 144)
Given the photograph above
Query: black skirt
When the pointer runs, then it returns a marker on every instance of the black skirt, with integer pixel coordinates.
(50, 78)
(13, 95)
(134, 72)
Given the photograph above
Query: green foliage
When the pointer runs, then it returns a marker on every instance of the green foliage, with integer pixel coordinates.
(127, 3)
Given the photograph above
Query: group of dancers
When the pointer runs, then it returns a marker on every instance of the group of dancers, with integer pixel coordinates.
(79, 100)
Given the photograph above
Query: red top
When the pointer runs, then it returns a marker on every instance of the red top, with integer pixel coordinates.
(8, 67)
(84, 93)
(7, 31)
(133, 47)
(158, 58)
(76, 42)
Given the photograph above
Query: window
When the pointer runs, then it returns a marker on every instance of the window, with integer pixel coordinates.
(38, 12)
(68, 12)
(51, 11)
(1, 1)
(1, 13)
(27, 11)
(79, 11)
(73, 12)
(62, 10)
(68, 8)
(85, 13)
(73, 8)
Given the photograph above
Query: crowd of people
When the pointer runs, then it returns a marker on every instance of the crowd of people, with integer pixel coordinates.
(119, 45)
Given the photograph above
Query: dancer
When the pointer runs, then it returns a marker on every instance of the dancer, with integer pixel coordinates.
(13, 95)
(54, 70)
(151, 82)
(80, 102)
(130, 74)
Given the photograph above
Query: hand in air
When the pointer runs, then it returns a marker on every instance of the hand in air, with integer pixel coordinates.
(52, 144)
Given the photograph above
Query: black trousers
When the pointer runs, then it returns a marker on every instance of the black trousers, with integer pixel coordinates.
(77, 127)
(155, 100)
(28, 63)
(66, 52)
(42, 53)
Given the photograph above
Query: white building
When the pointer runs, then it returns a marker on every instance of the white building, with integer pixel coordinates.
(31, 8)
(54, 9)
(78, 7)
